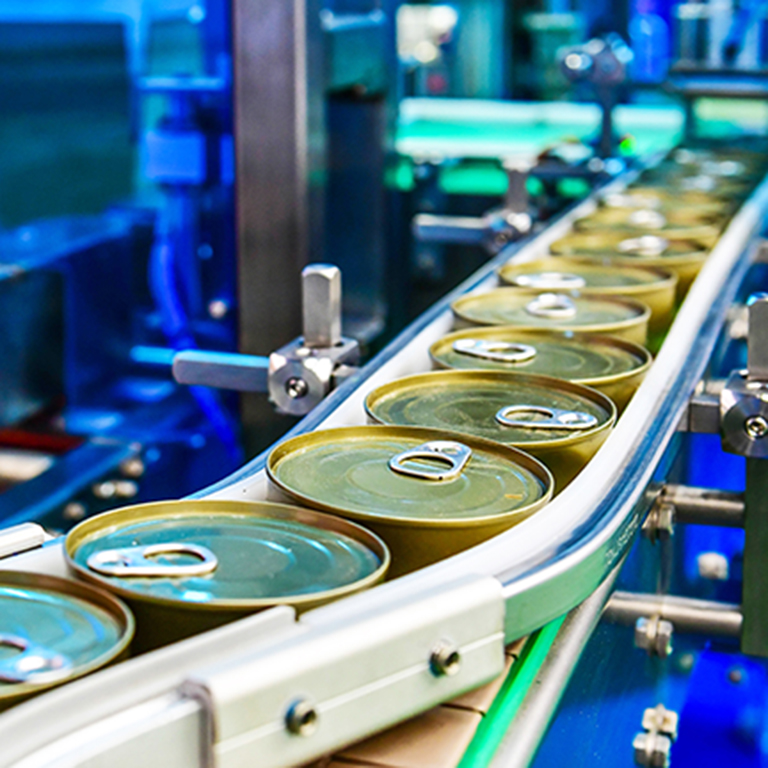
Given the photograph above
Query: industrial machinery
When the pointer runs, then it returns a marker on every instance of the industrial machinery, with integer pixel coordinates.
(632, 598)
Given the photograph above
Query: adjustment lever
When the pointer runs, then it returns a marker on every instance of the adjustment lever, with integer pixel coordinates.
(495, 229)
(300, 374)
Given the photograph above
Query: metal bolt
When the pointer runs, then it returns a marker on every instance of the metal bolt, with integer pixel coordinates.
(713, 566)
(133, 467)
(756, 427)
(654, 635)
(736, 675)
(296, 387)
(301, 718)
(445, 660)
(218, 309)
(74, 511)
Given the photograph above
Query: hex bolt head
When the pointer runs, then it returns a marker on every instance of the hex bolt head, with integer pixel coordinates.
(756, 427)
(445, 660)
(296, 388)
(301, 718)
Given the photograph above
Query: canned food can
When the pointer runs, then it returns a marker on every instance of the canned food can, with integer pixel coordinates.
(612, 366)
(650, 218)
(625, 318)
(429, 494)
(560, 423)
(55, 630)
(652, 223)
(191, 565)
(683, 257)
(654, 287)
(658, 200)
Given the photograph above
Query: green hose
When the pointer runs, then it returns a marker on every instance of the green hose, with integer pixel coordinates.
(495, 724)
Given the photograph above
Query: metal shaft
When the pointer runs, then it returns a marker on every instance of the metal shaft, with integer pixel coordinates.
(705, 506)
(464, 230)
(699, 617)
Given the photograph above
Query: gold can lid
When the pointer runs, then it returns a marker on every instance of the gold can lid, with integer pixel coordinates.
(624, 244)
(410, 475)
(565, 311)
(558, 273)
(583, 358)
(511, 408)
(216, 554)
(53, 630)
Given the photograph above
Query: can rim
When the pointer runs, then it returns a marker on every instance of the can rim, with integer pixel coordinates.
(665, 279)
(422, 380)
(419, 435)
(643, 356)
(205, 507)
(94, 595)
(642, 312)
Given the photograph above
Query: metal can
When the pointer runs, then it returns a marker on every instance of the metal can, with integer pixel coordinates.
(560, 423)
(191, 565)
(650, 218)
(624, 318)
(695, 203)
(683, 257)
(651, 223)
(429, 494)
(654, 287)
(612, 366)
(54, 630)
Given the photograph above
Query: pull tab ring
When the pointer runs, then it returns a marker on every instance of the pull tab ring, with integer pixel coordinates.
(647, 219)
(498, 351)
(455, 455)
(647, 245)
(528, 417)
(35, 663)
(553, 306)
(551, 281)
(135, 561)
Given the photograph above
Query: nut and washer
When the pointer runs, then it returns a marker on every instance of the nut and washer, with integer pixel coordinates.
(652, 746)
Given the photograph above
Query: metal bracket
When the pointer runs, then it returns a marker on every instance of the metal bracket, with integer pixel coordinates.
(652, 746)
(494, 230)
(300, 374)
(289, 706)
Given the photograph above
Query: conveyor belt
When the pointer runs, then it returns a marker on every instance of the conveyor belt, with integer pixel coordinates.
(171, 710)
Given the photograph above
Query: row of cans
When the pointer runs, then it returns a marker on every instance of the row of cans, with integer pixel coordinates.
(522, 394)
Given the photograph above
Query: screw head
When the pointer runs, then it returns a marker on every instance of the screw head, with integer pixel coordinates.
(74, 511)
(301, 718)
(756, 427)
(713, 566)
(296, 388)
(133, 467)
(445, 660)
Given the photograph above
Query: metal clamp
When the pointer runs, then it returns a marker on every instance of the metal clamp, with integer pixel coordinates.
(498, 351)
(652, 746)
(553, 306)
(135, 561)
(551, 281)
(646, 245)
(553, 418)
(456, 455)
(35, 663)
